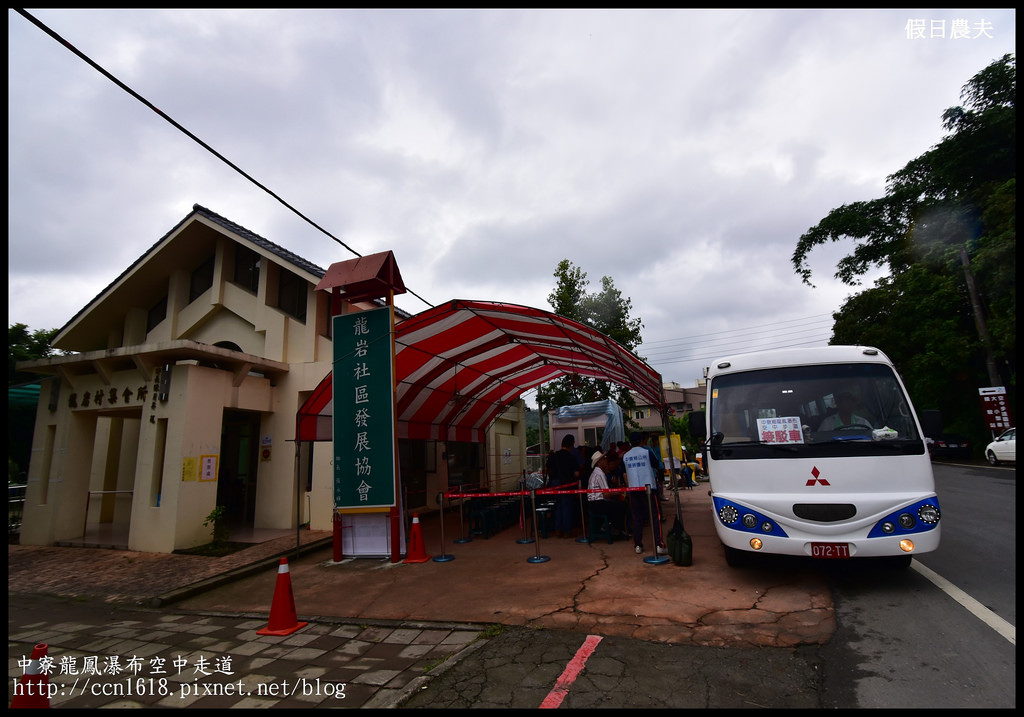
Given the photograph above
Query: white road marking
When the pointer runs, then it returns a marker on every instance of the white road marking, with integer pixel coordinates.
(973, 606)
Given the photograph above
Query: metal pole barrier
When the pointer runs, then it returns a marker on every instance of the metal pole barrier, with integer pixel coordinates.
(443, 557)
(538, 558)
(338, 549)
(675, 488)
(526, 539)
(584, 529)
(406, 524)
(462, 523)
(653, 559)
(85, 521)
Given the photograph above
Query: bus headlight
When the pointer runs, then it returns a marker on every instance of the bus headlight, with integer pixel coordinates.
(928, 513)
(756, 543)
(919, 517)
(737, 516)
(907, 545)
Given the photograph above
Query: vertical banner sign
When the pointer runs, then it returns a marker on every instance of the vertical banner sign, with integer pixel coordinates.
(364, 410)
(996, 408)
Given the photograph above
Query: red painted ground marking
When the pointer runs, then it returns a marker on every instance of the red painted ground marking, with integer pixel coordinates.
(571, 672)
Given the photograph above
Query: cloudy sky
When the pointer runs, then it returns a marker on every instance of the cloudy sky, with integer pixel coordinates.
(680, 152)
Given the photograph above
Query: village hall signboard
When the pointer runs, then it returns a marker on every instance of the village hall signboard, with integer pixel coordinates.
(364, 411)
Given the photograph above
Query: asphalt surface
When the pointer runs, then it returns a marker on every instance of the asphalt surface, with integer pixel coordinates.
(489, 627)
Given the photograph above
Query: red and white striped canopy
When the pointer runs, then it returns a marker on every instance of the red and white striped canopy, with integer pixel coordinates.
(459, 365)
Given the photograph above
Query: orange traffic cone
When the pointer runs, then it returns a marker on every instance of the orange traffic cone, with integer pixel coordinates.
(417, 553)
(32, 691)
(283, 620)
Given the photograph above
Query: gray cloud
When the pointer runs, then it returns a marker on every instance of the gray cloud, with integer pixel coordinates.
(681, 152)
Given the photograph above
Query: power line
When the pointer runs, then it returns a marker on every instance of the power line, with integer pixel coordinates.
(717, 354)
(187, 133)
(739, 340)
(789, 333)
(763, 327)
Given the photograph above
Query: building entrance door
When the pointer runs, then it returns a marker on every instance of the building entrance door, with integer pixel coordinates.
(239, 450)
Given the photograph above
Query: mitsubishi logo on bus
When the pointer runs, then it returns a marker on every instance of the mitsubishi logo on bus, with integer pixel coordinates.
(816, 479)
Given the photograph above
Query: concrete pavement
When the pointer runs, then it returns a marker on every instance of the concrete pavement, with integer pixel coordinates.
(582, 587)
(378, 627)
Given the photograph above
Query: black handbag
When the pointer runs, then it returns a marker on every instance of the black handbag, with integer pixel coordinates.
(680, 544)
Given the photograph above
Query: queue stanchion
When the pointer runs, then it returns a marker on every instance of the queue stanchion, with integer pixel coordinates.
(653, 559)
(536, 558)
(462, 523)
(526, 539)
(443, 557)
(584, 530)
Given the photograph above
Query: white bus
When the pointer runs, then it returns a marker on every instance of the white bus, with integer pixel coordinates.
(816, 452)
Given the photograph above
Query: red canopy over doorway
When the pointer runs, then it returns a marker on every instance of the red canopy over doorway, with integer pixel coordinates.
(459, 365)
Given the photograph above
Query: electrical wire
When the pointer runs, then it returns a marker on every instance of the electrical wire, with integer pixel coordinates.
(715, 344)
(189, 134)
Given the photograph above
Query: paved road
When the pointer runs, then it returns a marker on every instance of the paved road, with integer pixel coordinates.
(348, 664)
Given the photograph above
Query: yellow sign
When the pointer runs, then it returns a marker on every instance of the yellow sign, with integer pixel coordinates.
(189, 468)
(677, 448)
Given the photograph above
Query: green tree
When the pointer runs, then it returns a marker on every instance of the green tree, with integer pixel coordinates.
(22, 345)
(26, 345)
(606, 311)
(945, 233)
(929, 343)
(681, 425)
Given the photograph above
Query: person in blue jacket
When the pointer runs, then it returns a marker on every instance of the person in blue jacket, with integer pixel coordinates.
(641, 471)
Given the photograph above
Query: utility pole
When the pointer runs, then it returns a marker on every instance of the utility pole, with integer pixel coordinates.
(979, 318)
(540, 426)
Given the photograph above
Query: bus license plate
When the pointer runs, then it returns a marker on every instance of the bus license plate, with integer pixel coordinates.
(835, 551)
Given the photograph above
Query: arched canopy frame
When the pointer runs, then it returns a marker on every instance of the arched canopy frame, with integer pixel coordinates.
(459, 365)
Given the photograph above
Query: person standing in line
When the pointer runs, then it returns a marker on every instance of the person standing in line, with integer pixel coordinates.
(640, 473)
(581, 454)
(564, 475)
(659, 465)
(609, 454)
(616, 473)
(605, 503)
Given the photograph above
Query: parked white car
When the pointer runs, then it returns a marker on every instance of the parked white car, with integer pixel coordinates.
(1003, 448)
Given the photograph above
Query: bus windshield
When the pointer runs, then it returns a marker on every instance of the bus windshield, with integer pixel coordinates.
(811, 410)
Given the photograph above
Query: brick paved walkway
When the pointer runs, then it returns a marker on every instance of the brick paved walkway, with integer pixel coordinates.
(130, 576)
(174, 660)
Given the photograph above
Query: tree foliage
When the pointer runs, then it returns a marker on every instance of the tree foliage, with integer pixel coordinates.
(23, 344)
(945, 233)
(26, 345)
(606, 311)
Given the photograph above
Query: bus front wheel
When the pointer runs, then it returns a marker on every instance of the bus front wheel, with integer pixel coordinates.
(736, 558)
(895, 562)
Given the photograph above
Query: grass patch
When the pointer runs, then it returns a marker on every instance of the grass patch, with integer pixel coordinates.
(493, 631)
